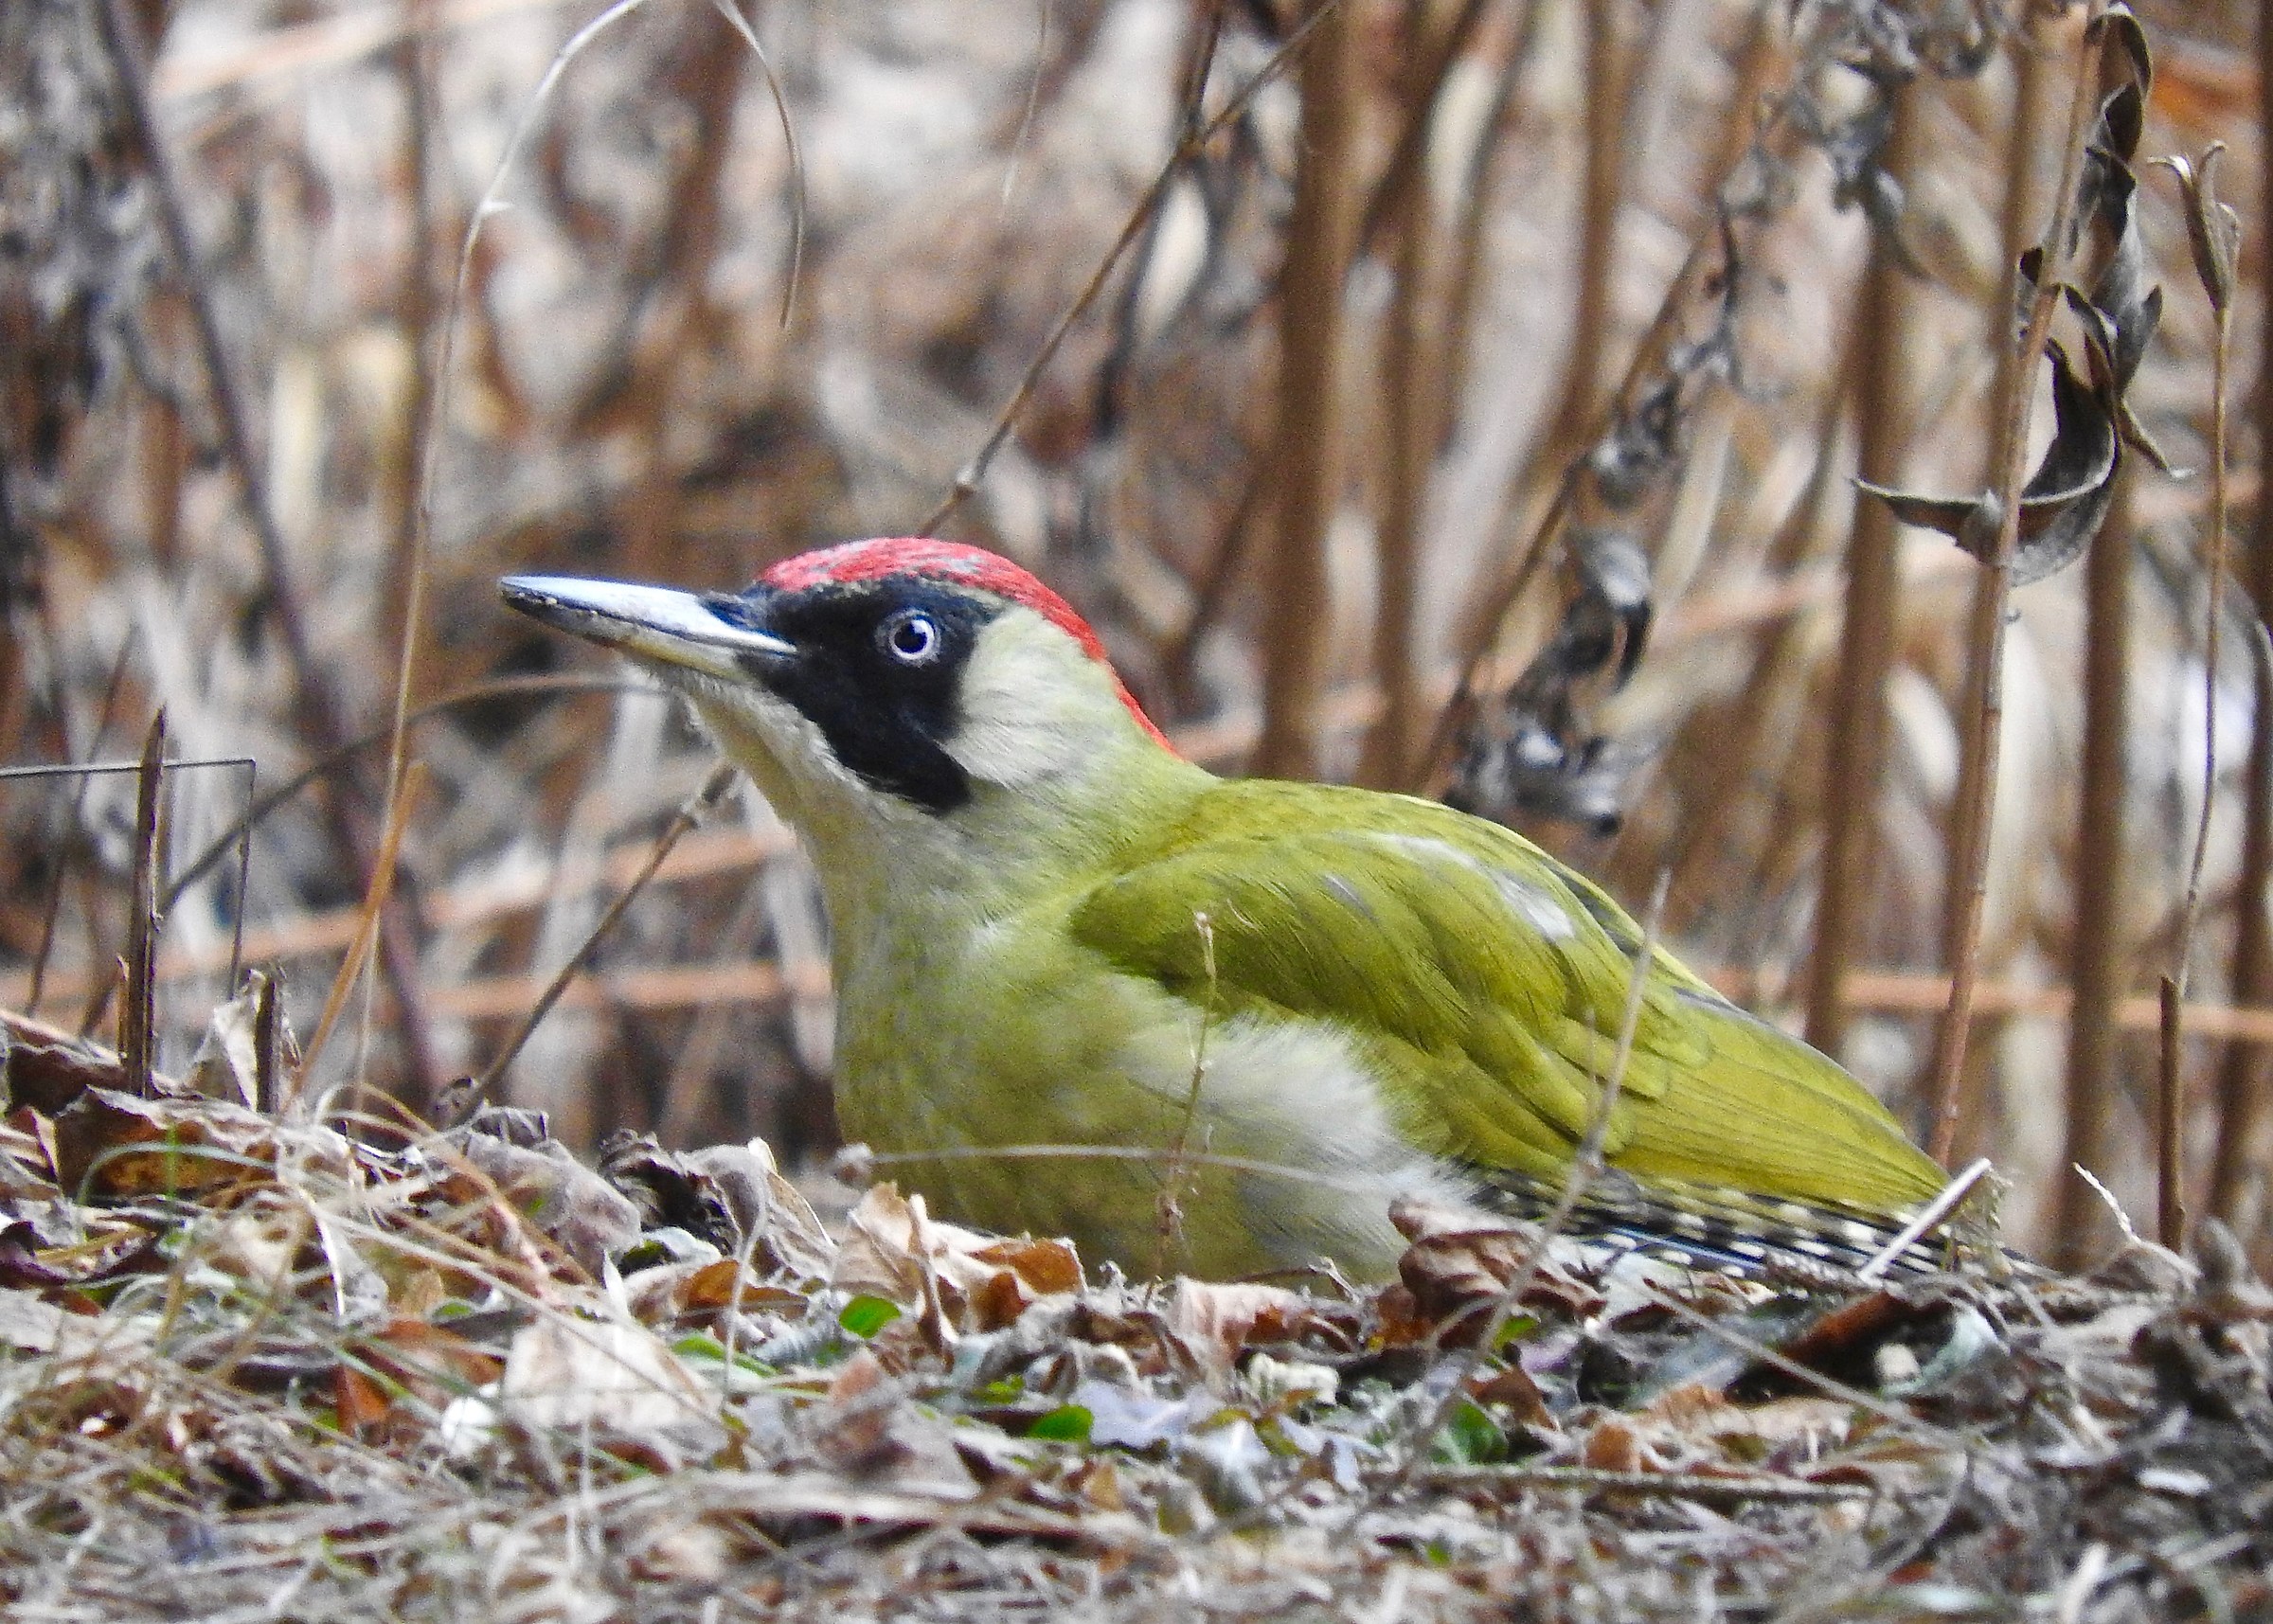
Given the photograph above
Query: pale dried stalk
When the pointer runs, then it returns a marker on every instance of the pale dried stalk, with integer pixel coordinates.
(1412, 418)
(2244, 1094)
(2097, 960)
(2170, 1098)
(1857, 709)
(1306, 463)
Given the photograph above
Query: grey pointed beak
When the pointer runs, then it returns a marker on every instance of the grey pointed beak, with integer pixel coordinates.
(659, 625)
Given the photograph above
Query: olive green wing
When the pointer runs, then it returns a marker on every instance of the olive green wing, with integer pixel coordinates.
(1488, 983)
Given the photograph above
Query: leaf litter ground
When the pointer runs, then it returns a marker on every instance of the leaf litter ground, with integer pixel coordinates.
(260, 1367)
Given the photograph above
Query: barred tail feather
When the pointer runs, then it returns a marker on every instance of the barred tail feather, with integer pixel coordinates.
(1722, 1230)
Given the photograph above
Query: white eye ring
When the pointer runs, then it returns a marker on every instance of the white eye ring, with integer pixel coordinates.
(911, 636)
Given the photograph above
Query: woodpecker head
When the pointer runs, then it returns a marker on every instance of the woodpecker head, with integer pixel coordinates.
(887, 680)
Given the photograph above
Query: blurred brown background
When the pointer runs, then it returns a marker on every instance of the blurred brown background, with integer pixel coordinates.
(1315, 413)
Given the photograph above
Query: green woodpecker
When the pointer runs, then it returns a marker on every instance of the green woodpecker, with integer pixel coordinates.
(1279, 1006)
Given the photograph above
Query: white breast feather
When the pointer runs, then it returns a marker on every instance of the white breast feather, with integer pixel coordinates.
(1297, 1093)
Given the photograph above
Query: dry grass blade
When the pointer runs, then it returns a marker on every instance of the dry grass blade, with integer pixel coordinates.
(370, 922)
(689, 813)
(1198, 134)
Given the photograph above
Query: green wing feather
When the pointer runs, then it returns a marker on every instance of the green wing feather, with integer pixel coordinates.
(1488, 983)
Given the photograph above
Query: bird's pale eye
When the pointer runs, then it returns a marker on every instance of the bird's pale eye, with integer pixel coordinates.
(911, 636)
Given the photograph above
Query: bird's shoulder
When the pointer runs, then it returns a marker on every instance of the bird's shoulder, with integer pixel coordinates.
(1370, 906)
(1491, 982)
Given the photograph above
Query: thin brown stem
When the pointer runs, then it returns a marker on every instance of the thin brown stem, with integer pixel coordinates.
(2170, 1098)
(268, 1061)
(2022, 183)
(2215, 618)
(137, 1009)
(1602, 178)
(1411, 380)
(1984, 724)
(1402, 171)
(2170, 1122)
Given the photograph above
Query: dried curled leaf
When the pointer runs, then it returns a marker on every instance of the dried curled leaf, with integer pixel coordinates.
(2213, 230)
(894, 1251)
(46, 1069)
(115, 1147)
(2064, 501)
(585, 1216)
(1532, 752)
(731, 1196)
(2067, 499)
(1457, 1267)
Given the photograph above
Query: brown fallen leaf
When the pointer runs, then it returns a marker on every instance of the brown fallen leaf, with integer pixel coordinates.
(46, 1068)
(1513, 1391)
(892, 1249)
(581, 1212)
(867, 1430)
(732, 1196)
(115, 1147)
(361, 1405)
(1456, 1269)
(1613, 1444)
(696, 1294)
(1217, 1322)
